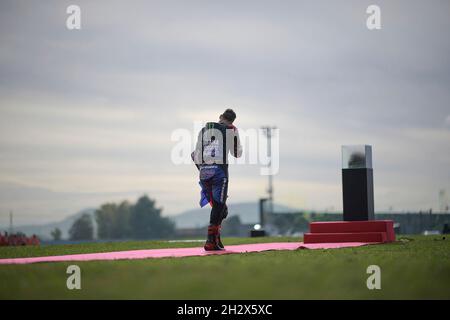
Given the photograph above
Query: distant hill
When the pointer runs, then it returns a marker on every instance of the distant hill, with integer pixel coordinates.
(248, 212)
(44, 230)
(35, 205)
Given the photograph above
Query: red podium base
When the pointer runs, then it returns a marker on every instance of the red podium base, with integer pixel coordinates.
(350, 231)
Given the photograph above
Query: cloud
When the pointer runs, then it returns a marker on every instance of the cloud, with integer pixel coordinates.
(94, 109)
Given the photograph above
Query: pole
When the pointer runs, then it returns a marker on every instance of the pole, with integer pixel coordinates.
(268, 132)
(11, 225)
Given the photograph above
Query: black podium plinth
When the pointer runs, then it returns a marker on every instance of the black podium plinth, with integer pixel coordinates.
(357, 183)
(357, 188)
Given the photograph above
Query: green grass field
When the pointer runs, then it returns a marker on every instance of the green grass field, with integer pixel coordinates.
(415, 267)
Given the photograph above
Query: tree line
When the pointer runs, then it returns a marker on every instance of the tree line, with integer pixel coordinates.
(125, 220)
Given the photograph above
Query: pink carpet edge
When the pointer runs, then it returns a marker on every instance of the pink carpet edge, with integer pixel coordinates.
(180, 252)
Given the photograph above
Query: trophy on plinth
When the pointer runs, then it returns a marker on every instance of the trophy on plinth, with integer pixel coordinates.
(357, 183)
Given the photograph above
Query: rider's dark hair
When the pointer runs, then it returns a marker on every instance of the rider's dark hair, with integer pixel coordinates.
(229, 115)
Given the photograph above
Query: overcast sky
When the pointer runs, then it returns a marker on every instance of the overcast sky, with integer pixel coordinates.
(87, 115)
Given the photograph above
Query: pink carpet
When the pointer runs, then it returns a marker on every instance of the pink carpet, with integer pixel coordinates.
(181, 252)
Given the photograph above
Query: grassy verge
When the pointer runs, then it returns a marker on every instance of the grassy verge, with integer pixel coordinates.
(418, 268)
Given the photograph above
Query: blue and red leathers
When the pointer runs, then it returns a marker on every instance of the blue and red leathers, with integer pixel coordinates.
(215, 141)
(214, 184)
